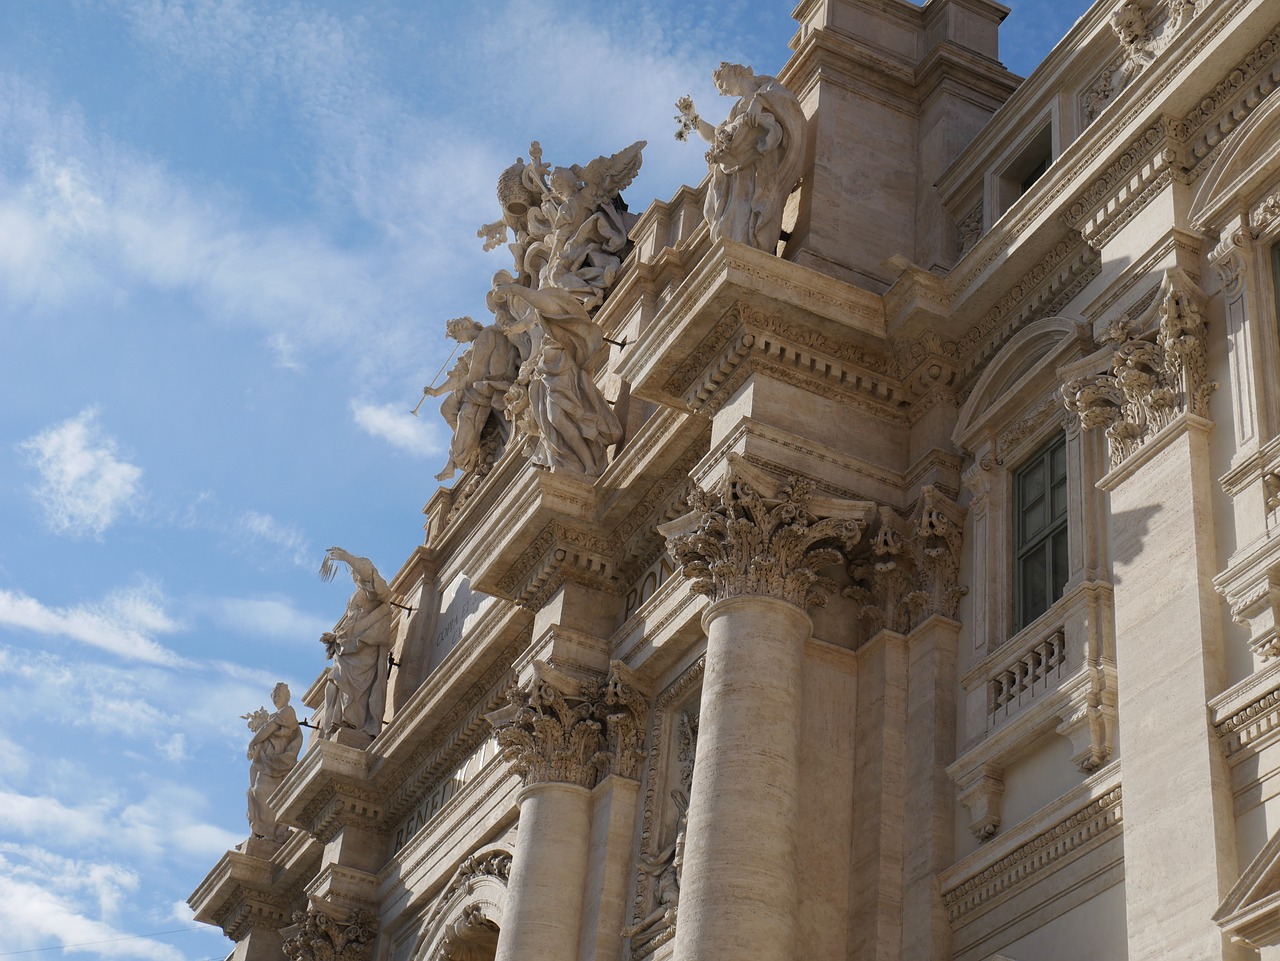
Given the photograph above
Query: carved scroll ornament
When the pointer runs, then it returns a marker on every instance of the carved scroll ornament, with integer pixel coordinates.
(756, 535)
(1151, 382)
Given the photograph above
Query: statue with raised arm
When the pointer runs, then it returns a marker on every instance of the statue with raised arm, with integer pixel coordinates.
(273, 753)
(755, 157)
(555, 400)
(477, 386)
(568, 221)
(355, 695)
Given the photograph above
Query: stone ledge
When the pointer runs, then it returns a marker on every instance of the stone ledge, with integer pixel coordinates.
(1056, 835)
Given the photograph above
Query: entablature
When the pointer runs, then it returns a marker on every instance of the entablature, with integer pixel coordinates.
(741, 303)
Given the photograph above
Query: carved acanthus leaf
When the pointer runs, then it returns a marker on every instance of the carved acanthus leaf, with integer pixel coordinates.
(1153, 378)
(559, 728)
(318, 936)
(756, 535)
(912, 568)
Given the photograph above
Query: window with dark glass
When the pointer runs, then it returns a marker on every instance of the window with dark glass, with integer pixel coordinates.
(1040, 531)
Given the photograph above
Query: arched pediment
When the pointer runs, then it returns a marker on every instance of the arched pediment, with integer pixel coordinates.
(1246, 165)
(464, 922)
(1015, 370)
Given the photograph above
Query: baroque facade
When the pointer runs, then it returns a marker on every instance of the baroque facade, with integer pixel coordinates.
(870, 553)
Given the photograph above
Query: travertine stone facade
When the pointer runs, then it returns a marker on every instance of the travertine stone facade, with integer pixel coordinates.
(906, 587)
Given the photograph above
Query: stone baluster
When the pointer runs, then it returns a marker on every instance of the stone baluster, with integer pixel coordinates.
(755, 547)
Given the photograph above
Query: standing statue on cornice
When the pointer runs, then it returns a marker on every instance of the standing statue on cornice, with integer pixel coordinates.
(477, 386)
(355, 695)
(273, 753)
(755, 157)
(555, 401)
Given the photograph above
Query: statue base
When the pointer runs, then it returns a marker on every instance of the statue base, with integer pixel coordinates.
(350, 737)
(262, 848)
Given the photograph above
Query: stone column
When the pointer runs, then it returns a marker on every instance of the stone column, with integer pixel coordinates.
(755, 546)
(560, 733)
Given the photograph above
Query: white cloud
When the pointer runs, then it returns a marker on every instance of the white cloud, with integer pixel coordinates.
(281, 538)
(124, 622)
(394, 424)
(46, 898)
(263, 617)
(83, 484)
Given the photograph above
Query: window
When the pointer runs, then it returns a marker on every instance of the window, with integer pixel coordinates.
(1028, 166)
(1040, 531)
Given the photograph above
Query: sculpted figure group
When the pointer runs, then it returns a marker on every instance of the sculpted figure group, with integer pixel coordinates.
(531, 373)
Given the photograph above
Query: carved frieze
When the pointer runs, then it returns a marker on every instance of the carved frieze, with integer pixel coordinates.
(1151, 379)
(318, 936)
(757, 535)
(560, 728)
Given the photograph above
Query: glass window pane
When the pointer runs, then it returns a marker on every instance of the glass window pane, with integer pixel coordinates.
(1033, 520)
(1058, 496)
(1035, 583)
(1060, 563)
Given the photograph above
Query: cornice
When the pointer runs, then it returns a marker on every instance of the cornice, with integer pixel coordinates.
(1086, 818)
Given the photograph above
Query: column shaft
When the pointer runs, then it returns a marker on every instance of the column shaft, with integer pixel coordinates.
(738, 887)
(543, 913)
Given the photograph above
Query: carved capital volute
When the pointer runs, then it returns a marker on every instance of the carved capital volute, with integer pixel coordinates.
(1153, 377)
(549, 730)
(757, 535)
(562, 729)
(316, 935)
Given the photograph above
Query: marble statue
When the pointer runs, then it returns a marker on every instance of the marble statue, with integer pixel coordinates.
(477, 386)
(355, 693)
(567, 221)
(555, 401)
(755, 158)
(273, 753)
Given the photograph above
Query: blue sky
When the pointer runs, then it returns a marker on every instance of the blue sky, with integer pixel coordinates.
(230, 233)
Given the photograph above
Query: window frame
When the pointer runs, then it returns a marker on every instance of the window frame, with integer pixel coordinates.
(1044, 541)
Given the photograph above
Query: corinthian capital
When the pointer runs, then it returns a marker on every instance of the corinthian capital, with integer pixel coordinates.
(549, 730)
(317, 936)
(758, 535)
(558, 728)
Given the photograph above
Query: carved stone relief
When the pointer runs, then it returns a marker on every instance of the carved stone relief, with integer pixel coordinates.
(1143, 33)
(559, 728)
(669, 777)
(1153, 378)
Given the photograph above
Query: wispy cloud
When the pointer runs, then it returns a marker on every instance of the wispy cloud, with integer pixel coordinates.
(84, 484)
(282, 539)
(272, 617)
(394, 424)
(124, 623)
(46, 898)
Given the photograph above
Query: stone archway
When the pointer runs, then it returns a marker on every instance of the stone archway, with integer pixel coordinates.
(466, 919)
